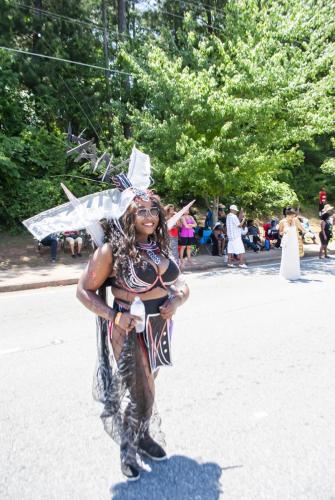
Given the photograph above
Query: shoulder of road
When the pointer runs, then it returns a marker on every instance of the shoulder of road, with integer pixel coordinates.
(25, 278)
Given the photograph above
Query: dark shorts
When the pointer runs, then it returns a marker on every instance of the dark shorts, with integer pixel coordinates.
(324, 241)
(186, 241)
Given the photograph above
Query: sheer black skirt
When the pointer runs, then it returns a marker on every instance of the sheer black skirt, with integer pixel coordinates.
(125, 384)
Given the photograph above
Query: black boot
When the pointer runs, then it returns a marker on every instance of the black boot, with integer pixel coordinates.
(130, 471)
(129, 465)
(150, 448)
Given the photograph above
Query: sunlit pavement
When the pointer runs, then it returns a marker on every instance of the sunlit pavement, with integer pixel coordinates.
(248, 408)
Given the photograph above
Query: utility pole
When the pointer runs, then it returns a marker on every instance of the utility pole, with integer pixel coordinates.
(122, 21)
(122, 27)
(105, 35)
(37, 23)
(104, 15)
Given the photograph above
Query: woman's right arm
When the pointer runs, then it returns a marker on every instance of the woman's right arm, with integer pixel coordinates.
(192, 224)
(185, 223)
(323, 226)
(97, 271)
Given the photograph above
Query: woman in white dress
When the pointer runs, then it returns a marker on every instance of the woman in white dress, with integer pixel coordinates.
(290, 260)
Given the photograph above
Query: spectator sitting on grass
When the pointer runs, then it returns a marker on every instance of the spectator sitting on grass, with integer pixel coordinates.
(273, 232)
(51, 241)
(218, 240)
(245, 238)
(308, 230)
(73, 237)
(254, 233)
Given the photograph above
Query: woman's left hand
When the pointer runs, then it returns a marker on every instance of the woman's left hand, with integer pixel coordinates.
(168, 309)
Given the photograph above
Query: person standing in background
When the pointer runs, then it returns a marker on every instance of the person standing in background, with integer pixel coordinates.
(221, 214)
(322, 200)
(326, 232)
(173, 232)
(186, 237)
(209, 219)
(234, 234)
(290, 261)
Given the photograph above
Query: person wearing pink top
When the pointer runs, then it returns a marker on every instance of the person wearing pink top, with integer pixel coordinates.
(186, 237)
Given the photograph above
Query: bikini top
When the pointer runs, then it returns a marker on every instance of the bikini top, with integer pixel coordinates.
(144, 277)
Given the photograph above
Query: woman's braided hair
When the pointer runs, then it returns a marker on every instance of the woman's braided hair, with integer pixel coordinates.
(121, 235)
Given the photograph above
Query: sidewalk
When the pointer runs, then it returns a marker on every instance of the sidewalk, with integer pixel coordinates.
(23, 277)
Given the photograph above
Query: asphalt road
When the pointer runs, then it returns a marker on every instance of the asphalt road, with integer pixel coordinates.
(248, 408)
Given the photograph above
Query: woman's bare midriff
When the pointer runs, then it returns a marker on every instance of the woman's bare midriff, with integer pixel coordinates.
(123, 295)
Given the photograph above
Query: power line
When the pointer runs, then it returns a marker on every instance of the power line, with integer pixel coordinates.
(182, 17)
(99, 27)
(204, 5)
(179, 16)
(59, 16)
(55, 15)
(80, 106)
(74, 97)
(78, 63)
(201, 6)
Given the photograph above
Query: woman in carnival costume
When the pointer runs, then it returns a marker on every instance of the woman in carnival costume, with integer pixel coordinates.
(135, 261)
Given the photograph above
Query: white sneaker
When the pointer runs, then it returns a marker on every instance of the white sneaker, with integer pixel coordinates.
(230, 265)
(243, 266)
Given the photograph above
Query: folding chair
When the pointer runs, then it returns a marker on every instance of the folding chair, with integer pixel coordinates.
(206, 240)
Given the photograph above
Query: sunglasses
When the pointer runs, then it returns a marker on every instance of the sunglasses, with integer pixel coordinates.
(147, 212)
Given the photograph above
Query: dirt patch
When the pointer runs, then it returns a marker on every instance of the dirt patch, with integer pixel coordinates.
(22, 249)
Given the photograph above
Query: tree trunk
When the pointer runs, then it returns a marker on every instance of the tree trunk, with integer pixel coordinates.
(134, 20)
(215, 209)
(209, 21)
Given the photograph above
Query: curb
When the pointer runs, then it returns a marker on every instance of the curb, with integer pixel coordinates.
(38, 284)
(194, 268)
(210, 265)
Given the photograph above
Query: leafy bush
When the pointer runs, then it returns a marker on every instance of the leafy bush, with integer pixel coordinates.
(27, 163)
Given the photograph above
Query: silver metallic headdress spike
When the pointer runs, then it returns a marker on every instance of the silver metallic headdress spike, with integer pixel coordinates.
(86, 212)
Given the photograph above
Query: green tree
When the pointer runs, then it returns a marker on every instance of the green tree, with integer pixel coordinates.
(233, 122)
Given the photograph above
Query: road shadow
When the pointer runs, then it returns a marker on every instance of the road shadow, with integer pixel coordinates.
(177, 478)
(303, 280)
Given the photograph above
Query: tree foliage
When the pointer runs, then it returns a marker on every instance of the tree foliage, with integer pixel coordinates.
(234, 121)
(233, 100)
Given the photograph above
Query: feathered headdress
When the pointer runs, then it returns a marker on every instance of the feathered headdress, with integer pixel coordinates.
(86, 212)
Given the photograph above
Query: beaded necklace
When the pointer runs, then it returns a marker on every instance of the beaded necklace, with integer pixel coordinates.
(152, 250)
